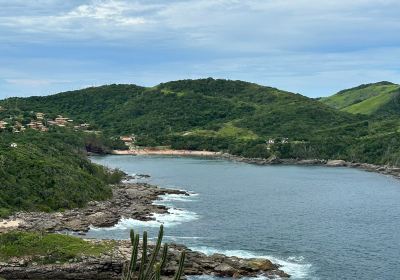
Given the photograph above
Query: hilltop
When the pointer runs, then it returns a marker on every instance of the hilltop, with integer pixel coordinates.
(370, 99)
(237, 117)
(205, 107)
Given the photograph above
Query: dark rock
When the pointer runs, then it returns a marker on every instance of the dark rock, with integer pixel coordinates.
(110, 266)
(129, 201)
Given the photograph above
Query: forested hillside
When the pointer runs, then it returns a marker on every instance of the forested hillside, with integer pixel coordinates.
(232, 116)
(192, 107)
(49, 171)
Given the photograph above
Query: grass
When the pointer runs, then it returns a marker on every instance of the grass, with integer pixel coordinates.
(227, 130)
(47, 248)
(363, 100)
(370, 105)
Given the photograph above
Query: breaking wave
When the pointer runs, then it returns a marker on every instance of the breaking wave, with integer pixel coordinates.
(295, 266)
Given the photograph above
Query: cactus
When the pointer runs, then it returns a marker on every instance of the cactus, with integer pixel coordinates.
(149, 270)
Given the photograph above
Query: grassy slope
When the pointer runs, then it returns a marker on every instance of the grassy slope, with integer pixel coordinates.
(365, 99)
(47, 248)
(370, 105)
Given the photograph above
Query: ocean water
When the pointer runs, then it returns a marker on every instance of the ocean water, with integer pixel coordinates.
(317, 222)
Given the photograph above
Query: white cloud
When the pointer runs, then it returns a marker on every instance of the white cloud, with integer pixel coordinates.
(253, 25)
(34, 82)
(299, 45)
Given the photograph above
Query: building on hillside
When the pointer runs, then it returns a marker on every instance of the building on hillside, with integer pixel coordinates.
(3, 124)
(40, 116)
(285, 140)
(13, 145)
(128, 140)
(62, 121)
(37, 125)
(271, 141)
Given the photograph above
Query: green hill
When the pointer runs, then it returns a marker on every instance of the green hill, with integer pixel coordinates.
(49, 170)
(369, 99)
(231, 116)
(205, 107)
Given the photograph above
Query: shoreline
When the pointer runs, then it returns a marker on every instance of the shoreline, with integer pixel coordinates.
(130, 200)
(110, 265)
(381, 169)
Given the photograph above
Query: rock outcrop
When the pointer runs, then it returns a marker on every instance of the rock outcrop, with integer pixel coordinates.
(110, 266)
(336, 163)
(129, 201)
(383, 169)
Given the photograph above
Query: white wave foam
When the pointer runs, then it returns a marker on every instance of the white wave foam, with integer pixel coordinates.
(167, 198)
(294, 265)
(210, 277)
(180, 238)
(172, 218)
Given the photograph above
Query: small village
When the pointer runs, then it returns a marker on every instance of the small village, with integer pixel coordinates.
(38, 121)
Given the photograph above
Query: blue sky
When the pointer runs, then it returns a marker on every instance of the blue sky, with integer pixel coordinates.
(306, 46)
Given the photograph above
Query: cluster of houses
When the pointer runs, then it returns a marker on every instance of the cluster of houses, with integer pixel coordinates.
(128, 140)
(40, 123)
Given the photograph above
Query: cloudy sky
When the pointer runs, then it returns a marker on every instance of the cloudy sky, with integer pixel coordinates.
(312, 47)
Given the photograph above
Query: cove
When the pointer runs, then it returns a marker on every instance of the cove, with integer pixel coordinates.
(318, 222)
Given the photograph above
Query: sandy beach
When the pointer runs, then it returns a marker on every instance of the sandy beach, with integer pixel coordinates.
(171, 152)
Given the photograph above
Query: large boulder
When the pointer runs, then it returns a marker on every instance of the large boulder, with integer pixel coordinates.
(260, 264)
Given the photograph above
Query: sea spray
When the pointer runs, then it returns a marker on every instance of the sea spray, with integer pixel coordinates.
(297, 267)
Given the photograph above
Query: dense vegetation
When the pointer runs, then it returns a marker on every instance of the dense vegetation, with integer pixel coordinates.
(202, 107)
(237, 117)
(50, 171)
(47, 248)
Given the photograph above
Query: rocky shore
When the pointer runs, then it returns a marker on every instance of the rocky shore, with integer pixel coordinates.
(129, 201)
(110, 266)
(382, 169)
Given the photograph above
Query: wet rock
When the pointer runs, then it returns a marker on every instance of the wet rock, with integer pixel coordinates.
(336, 163)
(260, 264)
(225, 270)
(110, 265)
(129, 201)
(310, 162)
